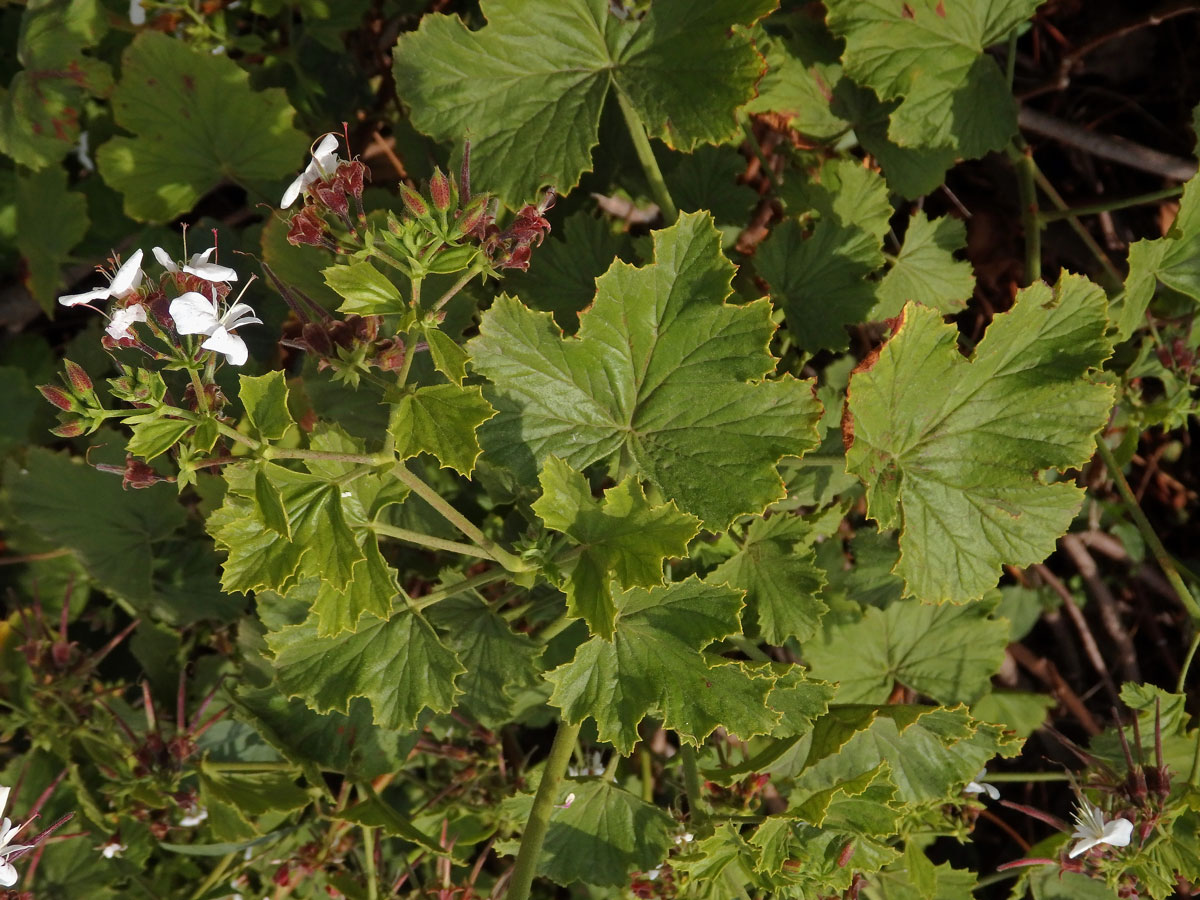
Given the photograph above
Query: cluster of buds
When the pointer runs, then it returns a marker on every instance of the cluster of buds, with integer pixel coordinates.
(326, 183)
(80, 411)
(512, 247)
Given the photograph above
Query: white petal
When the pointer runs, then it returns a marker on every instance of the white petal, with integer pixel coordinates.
(8, 874)
(992, 791)
(118, 326)
(195, 818)
(1083, 846)
(86, 297)
(231, 345)
(128, 277)
(211, 272)
(1117, 832)
(239, 314)
(194, 314)
(137, 13)
(4, 792)
(325, 156)
(201, 258)
(164, 260)
(293, 191)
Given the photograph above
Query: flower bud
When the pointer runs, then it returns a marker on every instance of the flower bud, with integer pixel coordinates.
(78, 377)
(472, 218)
(413, 201)
(439, 190)
(70, 429)
(59, 397)
(314, 334)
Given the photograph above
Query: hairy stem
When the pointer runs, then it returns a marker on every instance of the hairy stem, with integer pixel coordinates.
(198, 387)
(373, 459)
(455, 288)
(461, 587)
(697, 810)
(369, 854)
(539, 815)
(510, 561)
(645, 154)
(1165, 562)
(425, 540)
(1111, 205)
(1022, 160)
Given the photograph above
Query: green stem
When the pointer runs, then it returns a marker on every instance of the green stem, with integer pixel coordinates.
(1187, 663)
(198, 387)
(375, 459)
(425, 540)
(214, 876)
(453, 590)
(645, 154)
(647, 761)
(369, 853)
(1010, 61)
(1165, 562)
(697, 810)
(1022, 160)
(1115, 279)
(235, 435)
(406, 366)
(453, 292)
(539, 815)
(265, 766)
(510, 561)
(1111, 205)
(416, 291)
(1000, 777)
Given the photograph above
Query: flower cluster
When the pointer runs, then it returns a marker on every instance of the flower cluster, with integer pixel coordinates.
(186, 299)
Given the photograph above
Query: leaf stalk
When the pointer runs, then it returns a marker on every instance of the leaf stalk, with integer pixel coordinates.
(645, 154)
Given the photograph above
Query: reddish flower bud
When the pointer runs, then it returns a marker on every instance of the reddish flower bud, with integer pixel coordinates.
(350, 176)
(331, 196)
(306, 227)
(139, 475)
(77, 376)
(317, 338)
(59, 397)
(471, 220)
(68, 429)
(439, 190)
(413, 201)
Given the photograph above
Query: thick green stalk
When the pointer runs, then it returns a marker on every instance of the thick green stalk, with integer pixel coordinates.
(510, 561)
(1165, 562)
(1022, 160)
(369, 854)
(645, 154)
(1111, 205)
(374, 459)
(539, 815)
(425, 540)
(691, 783)
(455, 288)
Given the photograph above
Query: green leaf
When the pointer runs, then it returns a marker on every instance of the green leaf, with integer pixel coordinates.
(528, 88)
(820, 279)
(930, 53)
(198, 124)
(241, 798)
(441, 419)
(318, 520)
(622, 538)
(40, 118)
(348, 743)
(1173, 259)
(157, 436)
(1020, 712)
(399, 664)
(562, 274)
(926, 271)
(653, 662)
(51, 219)
(265, 399)
(603, 835)
(499, 662)
(19, 404)
(112, 531)
(662, 370)
(802, 72)
(951, 449)
(707, 179)
(364, 290)
(257, 559)
(448, 357)
(946, 652)
(373, 585)
(270, 505)
(781, 581)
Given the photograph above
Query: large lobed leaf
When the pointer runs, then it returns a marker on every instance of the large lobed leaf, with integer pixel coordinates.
(528, 88)
(951, 450)
(653, 662)
(930, 53)
(198, 123)
(662, 371)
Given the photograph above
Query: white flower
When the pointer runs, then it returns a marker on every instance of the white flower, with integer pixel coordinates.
(198, 265)
(566, 804)
(1091, 829)
(594, 769)
(137, 13)
(979, 786)
(196, 314)
(8, 831)
(127, 279)
(195, 817)
(324, 163)
(118, 325)
(112, 848)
